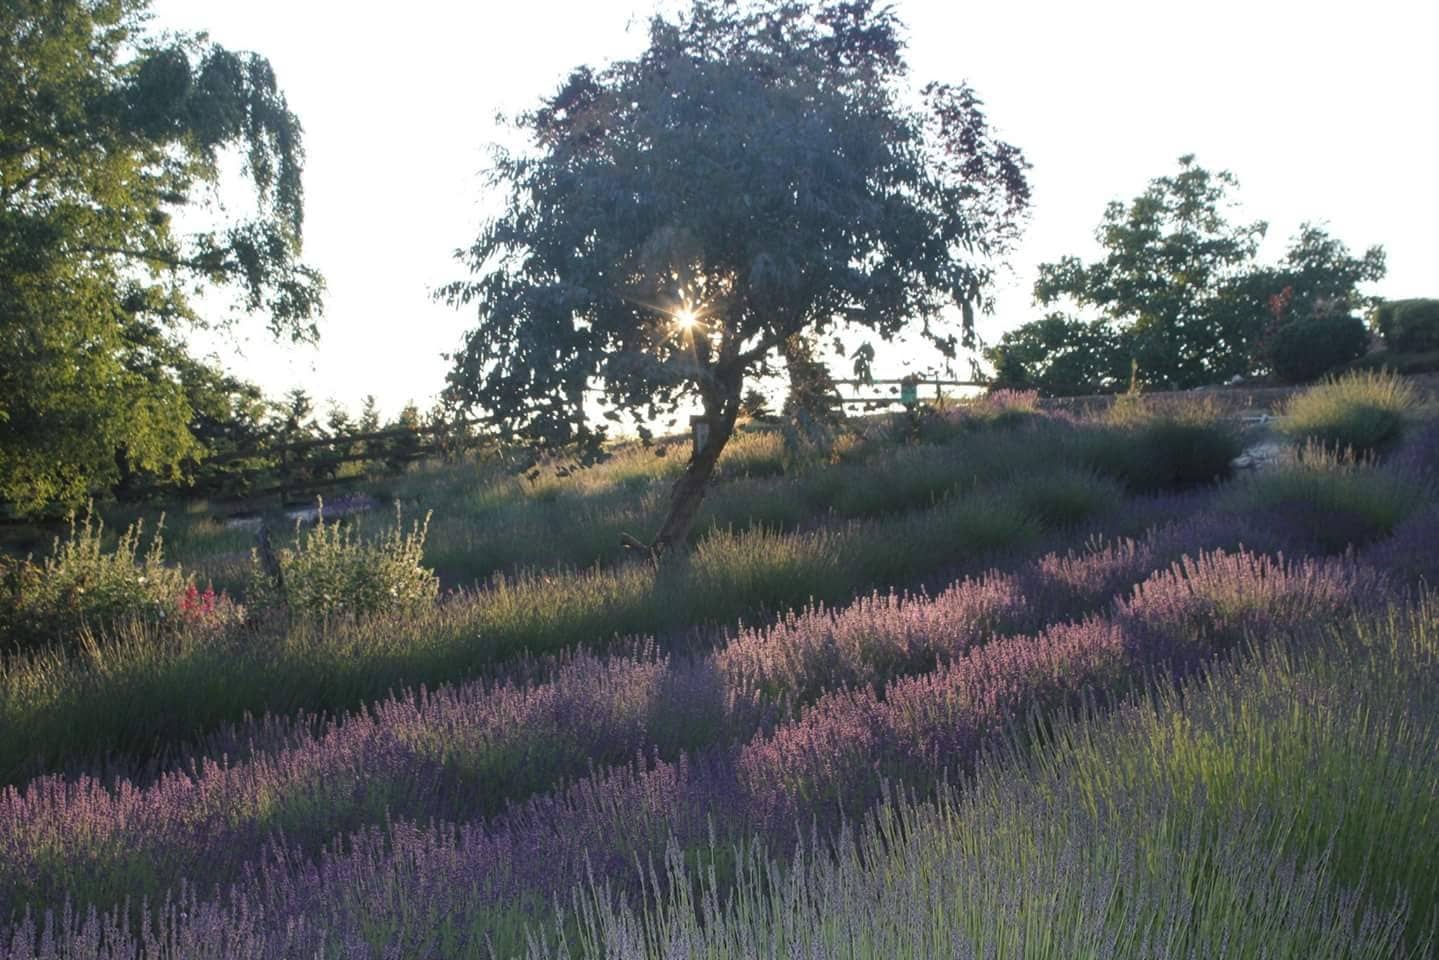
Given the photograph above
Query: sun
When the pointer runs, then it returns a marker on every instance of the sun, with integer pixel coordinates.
(686, 319)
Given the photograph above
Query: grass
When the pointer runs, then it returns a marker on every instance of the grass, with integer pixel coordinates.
(1166, 444)
(144, 690)
(1330, 498)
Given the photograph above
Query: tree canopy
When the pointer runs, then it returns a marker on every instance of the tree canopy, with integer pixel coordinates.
(1180, 296)
(760, 171)
(106, 134)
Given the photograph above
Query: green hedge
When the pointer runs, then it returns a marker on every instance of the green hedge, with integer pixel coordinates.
(1305, 350)
(1409, 326)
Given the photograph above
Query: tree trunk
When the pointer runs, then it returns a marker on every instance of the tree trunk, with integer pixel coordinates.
(689, 490)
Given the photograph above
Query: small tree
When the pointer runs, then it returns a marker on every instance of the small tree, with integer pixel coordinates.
(758, 172)
(404, 445)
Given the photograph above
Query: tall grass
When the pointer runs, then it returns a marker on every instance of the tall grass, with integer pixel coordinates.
(1330, 499)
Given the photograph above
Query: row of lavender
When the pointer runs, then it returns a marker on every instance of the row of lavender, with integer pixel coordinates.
(470, 877)
(462, 752)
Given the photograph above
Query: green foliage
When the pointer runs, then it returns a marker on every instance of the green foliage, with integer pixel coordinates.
(1361, 412)
(1410, 326)
(1168, 276)
(82, 585)
(1150, 447)
(1181, 295)
(331, 572)
(1338, 501)
(107, 134)
(1060, 355)
(1065, 497)
(1304, 350)
(763, 170)
(404, 446)
(1404, 363)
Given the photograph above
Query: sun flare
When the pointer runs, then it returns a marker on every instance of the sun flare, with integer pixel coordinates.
(686, 319)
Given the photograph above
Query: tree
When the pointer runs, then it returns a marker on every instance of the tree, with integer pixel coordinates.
(404, 446)
(760, 171)
(1061, 355)
(106, 133)
(1171, 279)
(1180, 289)
(1314, 305)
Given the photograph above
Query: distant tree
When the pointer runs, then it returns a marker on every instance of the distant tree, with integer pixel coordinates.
(404, 446)
(1180, 293)
(1171, 279)
(227, 420)
(294, 422)
(338, 425)
(106, 132)
(1061, 355)
(369, 415)
(759, 172)
(1315, 307)
(370, 423)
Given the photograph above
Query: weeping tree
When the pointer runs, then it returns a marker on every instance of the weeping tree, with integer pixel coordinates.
(762, 171)
(107, 133)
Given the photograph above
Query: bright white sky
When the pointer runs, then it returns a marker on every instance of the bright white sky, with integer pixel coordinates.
(1324, 111)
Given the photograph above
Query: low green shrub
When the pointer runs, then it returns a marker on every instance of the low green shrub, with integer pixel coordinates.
(1426, 362)
(1150, 447)
(1065, 497)
(1307, 349)
(1329, 498)
(331, 571)
(1363, 412)
(83, 586)
(1409, 326)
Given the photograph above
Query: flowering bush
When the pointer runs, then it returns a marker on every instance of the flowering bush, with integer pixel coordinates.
(80, 585)
(330, 571)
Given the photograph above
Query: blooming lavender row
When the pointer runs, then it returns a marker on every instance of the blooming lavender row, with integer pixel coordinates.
(464, 752)
(841, 751)
(424, 754)
(433, 891)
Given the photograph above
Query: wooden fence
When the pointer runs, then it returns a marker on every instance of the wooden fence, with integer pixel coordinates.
(905, 391)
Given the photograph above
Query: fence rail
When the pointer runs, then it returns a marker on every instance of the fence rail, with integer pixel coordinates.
(902, 395)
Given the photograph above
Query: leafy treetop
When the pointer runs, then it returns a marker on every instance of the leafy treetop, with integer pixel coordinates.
(760, 171)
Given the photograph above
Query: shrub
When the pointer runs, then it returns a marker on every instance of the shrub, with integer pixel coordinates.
(1306, 349)
(1383, 359)
(1409, 326)
(1363, 412)
(80, 585)
(1065, 497)
(1327, 501)
(331, 572)
(1151, 449)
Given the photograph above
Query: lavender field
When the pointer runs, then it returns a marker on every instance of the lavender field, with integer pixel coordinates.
(999, 682)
